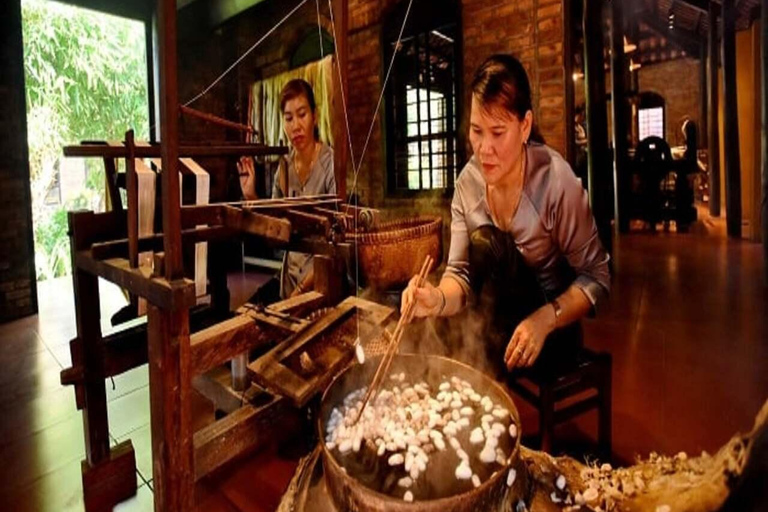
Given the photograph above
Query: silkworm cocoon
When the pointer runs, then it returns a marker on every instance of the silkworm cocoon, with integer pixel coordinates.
(511, 477)
(476, 437)
(492, 441)
(455, 415)
(396, 459)
(405, 482)
(360, 353)
(513, 430)
(590, 495)
(414, 472)
(445, 386)
(488, 454)
(456, 404)
(356, 442)
(408, 496)
(488, 406)
(500, 413)
(408, 461)
(345, 446)
(553, 496)
(463, 471)
(466, 411)
(382, 449)
(560, 482)
(475, 480)
(462, 455)
(454, 443)
(498, 428)
(330, 445)
(439, 443)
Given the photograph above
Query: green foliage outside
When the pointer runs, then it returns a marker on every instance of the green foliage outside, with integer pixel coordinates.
(86, 78)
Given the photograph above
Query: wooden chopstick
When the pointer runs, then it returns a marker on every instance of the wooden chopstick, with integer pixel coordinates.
(389, 355)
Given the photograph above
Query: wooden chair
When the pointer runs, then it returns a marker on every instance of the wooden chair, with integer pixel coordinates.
(591, 371)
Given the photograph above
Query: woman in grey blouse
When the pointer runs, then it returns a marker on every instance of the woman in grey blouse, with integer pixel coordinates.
(308, 171)
(521, 227)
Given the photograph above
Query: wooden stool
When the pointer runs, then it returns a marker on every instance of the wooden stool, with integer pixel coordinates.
(591, 371)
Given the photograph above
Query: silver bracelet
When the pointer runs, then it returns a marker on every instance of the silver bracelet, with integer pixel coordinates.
(443, 301)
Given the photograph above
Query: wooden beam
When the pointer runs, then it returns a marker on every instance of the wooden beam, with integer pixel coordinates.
(620, 115)
(221, 342)
(242, 432)
(271, 228)
(731, 122)
(680, 37)
(713, 121)
(177, 295)
(597, 121)
(299, 304)
(764, 159)
(101, 150)
(705, 6)
(154, 243)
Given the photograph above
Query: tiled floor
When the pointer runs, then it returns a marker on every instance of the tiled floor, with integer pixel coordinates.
(687, 325)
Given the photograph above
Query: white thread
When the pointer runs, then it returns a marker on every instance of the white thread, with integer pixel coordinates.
(319, 30)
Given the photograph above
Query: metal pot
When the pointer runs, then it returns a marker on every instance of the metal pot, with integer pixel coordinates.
(394, 252)
(349, 494)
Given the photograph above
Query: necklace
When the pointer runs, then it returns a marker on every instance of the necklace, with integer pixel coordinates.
(302, 173)
(504, 222)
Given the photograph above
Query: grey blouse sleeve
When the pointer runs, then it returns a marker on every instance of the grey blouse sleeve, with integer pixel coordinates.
(277, 193)
(458, 255)
(575, 233)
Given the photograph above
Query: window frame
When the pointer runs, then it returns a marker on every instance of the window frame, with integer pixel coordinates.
(424, 18)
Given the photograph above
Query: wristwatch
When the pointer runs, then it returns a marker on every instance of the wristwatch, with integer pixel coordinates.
(558, 310)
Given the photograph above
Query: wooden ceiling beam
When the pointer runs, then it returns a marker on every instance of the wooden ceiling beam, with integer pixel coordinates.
(701, 5)
(682, 38)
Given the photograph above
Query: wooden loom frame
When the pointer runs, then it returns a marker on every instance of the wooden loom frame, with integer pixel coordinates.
(107, 245)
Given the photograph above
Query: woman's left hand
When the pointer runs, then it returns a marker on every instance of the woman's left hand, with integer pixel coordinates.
(528, 339)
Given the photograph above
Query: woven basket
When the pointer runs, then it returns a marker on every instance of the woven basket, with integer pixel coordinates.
(392, 254)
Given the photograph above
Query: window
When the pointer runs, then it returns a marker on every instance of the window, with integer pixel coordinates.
(422, 139)
(650, 115)
(651, 122)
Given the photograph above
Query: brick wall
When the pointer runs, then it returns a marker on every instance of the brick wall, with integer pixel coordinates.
(18, 294)
(677, 81)
(204, 56)
(530, 29)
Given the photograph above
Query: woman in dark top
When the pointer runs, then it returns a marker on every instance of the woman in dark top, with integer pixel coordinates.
(524, 243)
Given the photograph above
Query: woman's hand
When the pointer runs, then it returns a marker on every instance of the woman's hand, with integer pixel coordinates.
(429, 300)
(528, 339)
(247, 173)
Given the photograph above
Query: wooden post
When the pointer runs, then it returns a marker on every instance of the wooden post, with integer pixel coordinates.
(169, 106)
(714, 112)
(168, 330)
(169, 387)
(731, 124)
(764, 159)
(570, 132)
(703, 127)
(597, 121)
(619, 110)
(340, 87)
(109, 477)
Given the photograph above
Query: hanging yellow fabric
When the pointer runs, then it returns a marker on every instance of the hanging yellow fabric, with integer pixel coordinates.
(264, 101)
